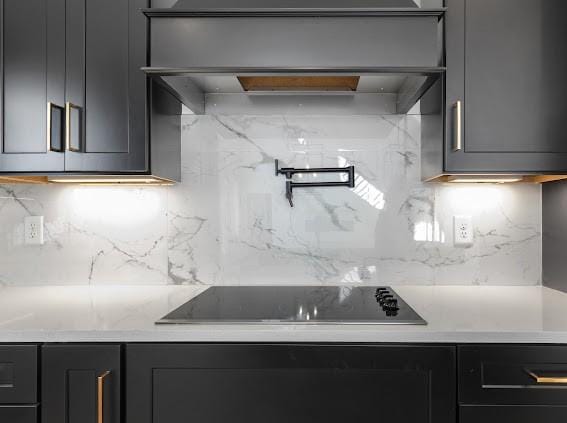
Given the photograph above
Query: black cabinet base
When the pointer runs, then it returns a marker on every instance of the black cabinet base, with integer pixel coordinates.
(290, 383)
(513, 413)
(18, 414)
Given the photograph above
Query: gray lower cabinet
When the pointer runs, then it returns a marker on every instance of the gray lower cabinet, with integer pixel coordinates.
(80, 383)
(278, 383)
(506, 65)
(515, 414)
(18, 374)
(72, 95)
(18, 383)
(512, 383)
(303, 383)
(18, 414)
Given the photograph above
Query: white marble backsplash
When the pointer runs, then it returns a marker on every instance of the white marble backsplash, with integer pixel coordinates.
(229, 222)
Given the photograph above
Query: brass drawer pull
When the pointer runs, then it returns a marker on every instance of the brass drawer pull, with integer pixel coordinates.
(50, 107)
(458, 126)
(68, 108)
(100, 397)
(547, 379)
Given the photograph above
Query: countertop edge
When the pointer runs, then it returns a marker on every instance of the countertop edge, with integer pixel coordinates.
(289, 336)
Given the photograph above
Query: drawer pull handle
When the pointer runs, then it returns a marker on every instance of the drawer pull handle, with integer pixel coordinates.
(458, 126)
(100, 396)
(69, 107)
(50, 107)
(547, 379)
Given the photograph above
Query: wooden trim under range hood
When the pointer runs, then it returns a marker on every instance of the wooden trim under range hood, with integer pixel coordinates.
(299, 83)
(496, 178)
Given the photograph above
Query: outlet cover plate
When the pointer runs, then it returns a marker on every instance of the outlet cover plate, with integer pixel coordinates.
(33, 230)
(463, 231)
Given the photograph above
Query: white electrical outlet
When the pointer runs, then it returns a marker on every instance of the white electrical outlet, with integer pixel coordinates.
(33, 230)
(463, 230)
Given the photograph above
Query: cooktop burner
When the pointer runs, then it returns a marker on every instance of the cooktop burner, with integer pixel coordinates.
(295, 305)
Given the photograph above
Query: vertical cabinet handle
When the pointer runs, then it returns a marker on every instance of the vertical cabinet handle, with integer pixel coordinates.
(458, 126)
(50, 107)
(100, 397)
(69, 107)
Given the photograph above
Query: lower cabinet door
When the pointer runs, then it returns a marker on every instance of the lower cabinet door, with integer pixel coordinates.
(240, 383)
(18, 414)
(80, 384)
(515, 414)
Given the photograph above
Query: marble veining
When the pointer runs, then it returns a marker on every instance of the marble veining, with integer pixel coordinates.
(228, 222)
(390, 229)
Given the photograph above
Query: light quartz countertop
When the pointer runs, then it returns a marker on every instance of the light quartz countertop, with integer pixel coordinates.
(455, 314)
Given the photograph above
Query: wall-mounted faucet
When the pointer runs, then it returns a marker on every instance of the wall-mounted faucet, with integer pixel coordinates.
(290, 185)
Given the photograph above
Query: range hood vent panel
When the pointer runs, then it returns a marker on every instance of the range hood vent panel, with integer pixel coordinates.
(299, 83)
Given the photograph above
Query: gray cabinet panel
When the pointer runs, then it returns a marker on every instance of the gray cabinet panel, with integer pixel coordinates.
(106, 76)
(56, 52)
(554, 238)
(75, 53)
(516, 62)
(506, 62)
(25, 59)
(166, 130)
(105, 81)
(31, 75)
(295, 42)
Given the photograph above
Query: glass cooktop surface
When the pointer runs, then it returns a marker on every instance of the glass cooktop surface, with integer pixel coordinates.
(295, 305)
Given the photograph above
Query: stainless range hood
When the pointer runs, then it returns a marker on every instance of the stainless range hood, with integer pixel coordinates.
(307, 48)
(366, 93)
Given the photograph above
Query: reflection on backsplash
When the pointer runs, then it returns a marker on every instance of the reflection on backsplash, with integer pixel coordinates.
(230, 223)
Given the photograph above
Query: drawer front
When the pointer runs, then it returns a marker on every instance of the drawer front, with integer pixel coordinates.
(17, 414)
(18, 374)
(513, 375)
(515, 414)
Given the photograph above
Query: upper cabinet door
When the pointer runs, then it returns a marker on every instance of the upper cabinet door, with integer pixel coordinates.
(105, 88)
(32, 47)
(506, 67)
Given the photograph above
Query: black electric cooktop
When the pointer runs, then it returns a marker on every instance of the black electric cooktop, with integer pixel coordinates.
(295, 305)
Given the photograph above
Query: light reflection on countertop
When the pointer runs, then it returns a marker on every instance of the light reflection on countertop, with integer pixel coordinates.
(127, 313)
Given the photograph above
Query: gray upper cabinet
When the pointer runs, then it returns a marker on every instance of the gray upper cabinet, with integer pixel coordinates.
(74, 97)
(105, 88)
(30, 43)
(506, 65)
